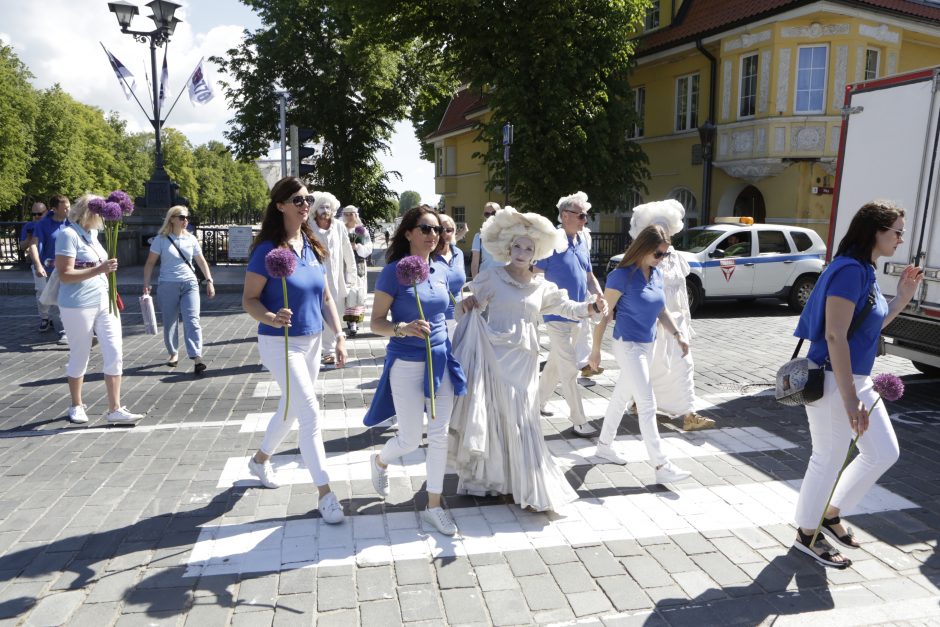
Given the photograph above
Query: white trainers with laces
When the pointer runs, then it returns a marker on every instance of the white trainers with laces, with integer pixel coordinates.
(330, 509)
(264, 472)
(77, 414)
(122, 415)
(585, 430)
(606, 451)
(379, 477)
(438, 518)
(670, 473)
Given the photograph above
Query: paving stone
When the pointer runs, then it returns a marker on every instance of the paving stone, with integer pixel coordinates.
(419, 603)
(541, 592)
(410, 572)
(339, 618)
(672, 558)
(375, 583)
(524, 563)
(464, 605)
(496, 577)
(592, 602)
(599, 561)
(572, 577)
(737, 550)
(204, 616)
(334, 593)
(55, 609)
(646, 571)
(296, 581)
(99, 614)
(624, 548)
(624, 593)
(253, 619)
(295, 610)
(383, 612)
(454, 572)
(257, 593)
(507, 607)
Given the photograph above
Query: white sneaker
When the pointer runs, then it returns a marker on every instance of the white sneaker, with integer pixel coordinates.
(264, 472)
(63, 339)
(77, 414)
(122, 415)
(545, 411)
(379, 477)
(585, 430)
(330, 509)
(606, 451)
(438, 518)
(670, 473)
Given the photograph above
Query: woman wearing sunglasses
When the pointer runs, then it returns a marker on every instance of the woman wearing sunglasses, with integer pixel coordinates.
(178, 252)
(404, 387)
(448, 254)
(635, 293)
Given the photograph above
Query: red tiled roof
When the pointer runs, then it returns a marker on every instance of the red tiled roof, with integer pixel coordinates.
(701, 18)
(455, 117)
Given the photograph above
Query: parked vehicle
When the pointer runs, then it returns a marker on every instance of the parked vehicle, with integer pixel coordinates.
(736, 258)
(889, 149)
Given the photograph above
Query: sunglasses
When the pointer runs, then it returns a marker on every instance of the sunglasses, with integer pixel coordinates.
(37, 215)
(182, 218)
(427, 228)
(659, 254)
(581, 216)
(900, 232)
(489, 214)
(299, 201)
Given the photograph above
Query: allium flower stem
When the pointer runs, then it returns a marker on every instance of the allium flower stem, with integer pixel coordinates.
(427, 346)
(286, 355)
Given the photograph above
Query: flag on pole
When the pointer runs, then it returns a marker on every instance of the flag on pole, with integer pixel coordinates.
(164, 79)
(124, 76)
(200, 92)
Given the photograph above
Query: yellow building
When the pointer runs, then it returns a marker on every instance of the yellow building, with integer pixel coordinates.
(770, 75)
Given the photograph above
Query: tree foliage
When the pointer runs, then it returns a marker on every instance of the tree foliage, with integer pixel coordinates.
(407, 200)
(17, 119)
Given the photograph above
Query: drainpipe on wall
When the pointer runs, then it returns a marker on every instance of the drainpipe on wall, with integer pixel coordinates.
(707, 160)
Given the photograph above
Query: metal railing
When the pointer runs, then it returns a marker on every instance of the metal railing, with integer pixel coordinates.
(10, 254)
(214, 242)
(603, 247)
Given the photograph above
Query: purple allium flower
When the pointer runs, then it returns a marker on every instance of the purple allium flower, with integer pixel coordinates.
(890, 387)
(360, 230)
(111, 212)
(121, 198)
(412, 270)
(280, 262)
(95, 205)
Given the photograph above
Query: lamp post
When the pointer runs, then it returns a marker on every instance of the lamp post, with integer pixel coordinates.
(706, 133)
(160, 191)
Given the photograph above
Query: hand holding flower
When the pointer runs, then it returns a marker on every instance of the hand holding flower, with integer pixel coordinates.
(280, 263)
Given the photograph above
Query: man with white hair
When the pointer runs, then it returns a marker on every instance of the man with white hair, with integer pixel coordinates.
(569, 270)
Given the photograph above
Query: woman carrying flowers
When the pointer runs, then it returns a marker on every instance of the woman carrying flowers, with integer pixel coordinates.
(308, 310)
(849, 404)
(415, 292)
(361, 243)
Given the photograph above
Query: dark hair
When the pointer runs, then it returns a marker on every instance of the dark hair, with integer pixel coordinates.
(272, 223)
(648, 240)
(399, 246)
(873, 217)
(55, 200)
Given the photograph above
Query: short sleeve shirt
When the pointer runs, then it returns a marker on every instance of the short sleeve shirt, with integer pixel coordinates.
(46, 233)
(456, 277)
(486, 259)
(173, 268)
(434, 297)
(82, 246)
(640, 303)
(27, 231)
(304, 291)
(568, 270)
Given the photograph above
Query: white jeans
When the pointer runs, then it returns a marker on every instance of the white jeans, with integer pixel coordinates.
(562, 367)
(304, 364)
(407, 381)
(634, 382)
(831, 435)
(585, 342)
(78, 323)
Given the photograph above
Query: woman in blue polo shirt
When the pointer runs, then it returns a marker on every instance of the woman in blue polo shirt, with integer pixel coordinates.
(634, 291)
(285, 225)
(404, 386)
(451, 256)
(849, 404)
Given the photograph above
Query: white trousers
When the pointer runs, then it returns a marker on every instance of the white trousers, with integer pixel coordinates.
(585, 341)
(407, 381)
(81, 324)
(562, 367)
(304, 364)
(831, 435)
(634, 383)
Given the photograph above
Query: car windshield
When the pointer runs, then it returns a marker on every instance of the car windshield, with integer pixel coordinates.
(696, 240)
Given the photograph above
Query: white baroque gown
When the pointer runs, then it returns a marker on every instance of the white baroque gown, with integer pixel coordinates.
(497, 445)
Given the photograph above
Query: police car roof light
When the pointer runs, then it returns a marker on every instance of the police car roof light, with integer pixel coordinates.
(745, 220)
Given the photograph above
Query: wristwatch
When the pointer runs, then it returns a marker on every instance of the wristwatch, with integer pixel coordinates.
(398, 329)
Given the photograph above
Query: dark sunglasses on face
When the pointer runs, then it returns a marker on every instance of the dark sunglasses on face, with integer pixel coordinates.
(427, 228)
(182, 218)
(659, 254)
(299, 201)
(581, 216)
(37, 215)
(447, 229)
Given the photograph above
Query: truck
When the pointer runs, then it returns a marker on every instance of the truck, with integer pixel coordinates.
(889, 148)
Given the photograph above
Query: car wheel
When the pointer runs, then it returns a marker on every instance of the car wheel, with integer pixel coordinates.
(695, 293)
(927, 369)
(800, 292)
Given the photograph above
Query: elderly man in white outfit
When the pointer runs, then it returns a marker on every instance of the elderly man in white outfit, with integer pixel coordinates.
(341, 263)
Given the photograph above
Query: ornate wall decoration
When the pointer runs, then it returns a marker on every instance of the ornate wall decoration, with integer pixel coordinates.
(761, 141)
(726, 76)
(842, 66)
(834, 134)
(764, 89)
(879, 33)
(807, 138)
(752, 170)
(891, 67)
(742, 142)
(747, 40)
(723, 144)
(783, 79)
(814, 31)
(780, 138)
(859, 64)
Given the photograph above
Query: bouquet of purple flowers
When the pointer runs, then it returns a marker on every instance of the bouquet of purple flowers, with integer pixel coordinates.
(112, 210)
(411, 271)
(280, 263)
(357, 235)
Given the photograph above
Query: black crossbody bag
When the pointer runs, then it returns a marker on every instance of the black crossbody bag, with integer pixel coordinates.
(200, 277)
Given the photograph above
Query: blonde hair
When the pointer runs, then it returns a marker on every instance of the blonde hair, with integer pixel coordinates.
(79, 214)
(174, 211)
(446, 220)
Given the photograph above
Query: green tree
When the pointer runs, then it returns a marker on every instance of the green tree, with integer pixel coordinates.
(181, 165)
(18, 109)
(407, 200)
(60, 148)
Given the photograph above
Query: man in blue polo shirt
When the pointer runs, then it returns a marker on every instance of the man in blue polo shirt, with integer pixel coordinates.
(42, 254)
(569, 270)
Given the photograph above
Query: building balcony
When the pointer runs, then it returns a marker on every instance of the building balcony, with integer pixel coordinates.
(446, 185)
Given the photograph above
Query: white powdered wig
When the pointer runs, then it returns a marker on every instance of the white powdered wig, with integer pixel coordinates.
(567, 202)
(666, 213)
(324, 202)
(508, 225)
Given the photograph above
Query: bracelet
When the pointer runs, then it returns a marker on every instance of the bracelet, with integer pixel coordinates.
(340, 334)
(209, 281)
(398, 329)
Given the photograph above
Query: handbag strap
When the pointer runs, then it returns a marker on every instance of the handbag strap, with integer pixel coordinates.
(188, 262)
(856, 321)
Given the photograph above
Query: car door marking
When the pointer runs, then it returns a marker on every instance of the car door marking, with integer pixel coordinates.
(727, 268)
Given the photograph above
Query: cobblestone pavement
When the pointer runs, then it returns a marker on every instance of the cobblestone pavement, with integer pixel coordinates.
(161, 524)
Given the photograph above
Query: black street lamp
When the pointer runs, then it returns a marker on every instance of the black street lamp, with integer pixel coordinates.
(160, 191)
(706, 133)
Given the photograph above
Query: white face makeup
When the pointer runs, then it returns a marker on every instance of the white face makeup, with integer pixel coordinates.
(521, 252)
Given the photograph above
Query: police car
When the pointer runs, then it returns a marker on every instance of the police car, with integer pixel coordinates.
(736, 258)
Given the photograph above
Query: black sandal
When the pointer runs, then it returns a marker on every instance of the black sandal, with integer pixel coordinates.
(826, 557)
(847, 540)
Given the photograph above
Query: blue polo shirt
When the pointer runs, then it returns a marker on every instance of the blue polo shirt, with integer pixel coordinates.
(456, 277)
(640, 303)
(852, 280)
(27, 230)
(304, 291)
(434, 301)
(46, 232)
(568, 270)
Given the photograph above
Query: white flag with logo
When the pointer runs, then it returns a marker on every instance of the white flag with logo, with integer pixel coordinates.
(124, 76)
(200, 92)
(164, 79)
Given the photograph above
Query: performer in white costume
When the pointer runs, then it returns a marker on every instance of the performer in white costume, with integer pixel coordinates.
(498, 446)
(340, 264)
(671, 374)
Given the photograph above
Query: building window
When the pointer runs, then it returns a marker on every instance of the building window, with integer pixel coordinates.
(687, 102)
(685, 196)
(639, 111)
(651, 20)
(439, 152)
(460, 216)
(748, 97)
(811, 79)
(872, 57)
(451, 161)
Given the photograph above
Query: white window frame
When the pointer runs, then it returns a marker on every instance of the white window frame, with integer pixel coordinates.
(752, 96)
(651, 17)
(691, 114)
(460, 215)
(638, 129)
(683, 194)
(877, 54)
(439, 159)
(796, 86)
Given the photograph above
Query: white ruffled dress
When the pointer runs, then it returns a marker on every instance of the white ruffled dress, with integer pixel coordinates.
(671, 374)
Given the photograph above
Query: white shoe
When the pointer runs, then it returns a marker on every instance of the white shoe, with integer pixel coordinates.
(63, 339)
(545, 411)
(585, 430)
(670, 473)
(379, 477)
(122, 415)
(606, 451)
(264, 472)
(330, 509)
(77, 414)
(438, 518)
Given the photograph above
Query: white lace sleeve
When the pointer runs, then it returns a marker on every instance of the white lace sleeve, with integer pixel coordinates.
(555, 301)
(483, 287)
